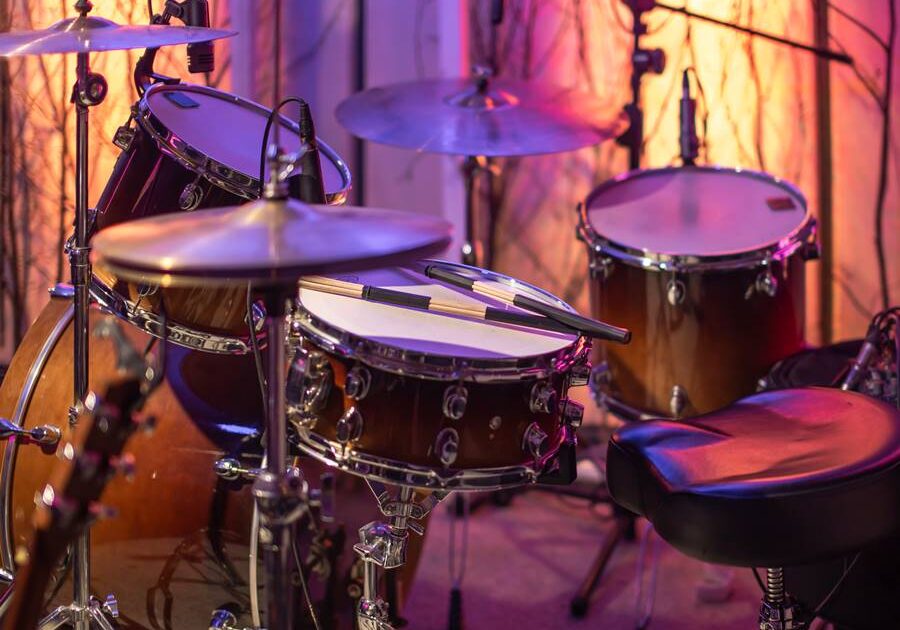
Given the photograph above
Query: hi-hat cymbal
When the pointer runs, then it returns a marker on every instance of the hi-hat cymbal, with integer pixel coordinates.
(95, 34)
(495, 117)
(265, 242)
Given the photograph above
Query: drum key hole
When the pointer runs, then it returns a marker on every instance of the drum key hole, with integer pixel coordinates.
(455, 399)
(543, 398)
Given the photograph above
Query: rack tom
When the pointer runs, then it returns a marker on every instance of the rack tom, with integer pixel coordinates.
(429, 400)
(192, 147)
(705, 265)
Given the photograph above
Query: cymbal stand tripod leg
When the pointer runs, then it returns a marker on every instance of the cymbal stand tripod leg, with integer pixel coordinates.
(89, 90)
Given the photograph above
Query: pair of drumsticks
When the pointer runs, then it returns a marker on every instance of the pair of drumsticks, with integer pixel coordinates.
(547, 317)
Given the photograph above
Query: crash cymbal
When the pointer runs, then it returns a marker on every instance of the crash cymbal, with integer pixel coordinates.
(94, 34)
(480, 117)
(265, 242)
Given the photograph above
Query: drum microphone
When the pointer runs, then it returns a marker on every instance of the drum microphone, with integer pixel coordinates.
(308, 185)
(688, 137)
(201, 56)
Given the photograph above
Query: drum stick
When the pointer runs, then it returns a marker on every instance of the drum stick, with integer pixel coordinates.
(591, 327)
(425, 302)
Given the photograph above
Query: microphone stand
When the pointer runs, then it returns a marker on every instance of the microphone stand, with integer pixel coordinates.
(644, 61)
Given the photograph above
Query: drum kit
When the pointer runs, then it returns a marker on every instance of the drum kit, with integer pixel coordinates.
(290, 333)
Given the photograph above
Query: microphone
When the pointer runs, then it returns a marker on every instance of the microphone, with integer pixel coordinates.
(865, 356)
(200, 56)
(688, 137)
(308, 185)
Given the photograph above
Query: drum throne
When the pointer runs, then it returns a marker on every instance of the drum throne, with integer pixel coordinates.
(776, 480)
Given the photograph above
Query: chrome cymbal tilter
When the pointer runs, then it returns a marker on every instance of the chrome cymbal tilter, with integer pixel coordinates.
(384, 544)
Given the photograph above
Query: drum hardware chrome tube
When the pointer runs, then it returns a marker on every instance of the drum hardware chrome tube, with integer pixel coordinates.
(677, 401)
(866, 354)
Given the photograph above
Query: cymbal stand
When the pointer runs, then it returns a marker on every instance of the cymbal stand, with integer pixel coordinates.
(89, 91)
(383, 544)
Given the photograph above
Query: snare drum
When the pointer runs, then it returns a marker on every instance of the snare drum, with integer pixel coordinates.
(706, 267)
(434, 401)
(192, 147)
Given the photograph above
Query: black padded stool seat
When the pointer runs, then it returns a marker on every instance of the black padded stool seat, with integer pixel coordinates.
(777, 479)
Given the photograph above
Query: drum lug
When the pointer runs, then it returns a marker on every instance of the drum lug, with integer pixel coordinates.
(455, 399)
(47, 435)
(677, 401)
(600, 266)
(533, 441)
(572, 413)
(191, 195)
(309, 382)
(675, 292)
(124, 137)
(580, 375)
(446, 446)
(230, 469)
(543, 398)
(357, 383)
(766, 284)
(350, 426)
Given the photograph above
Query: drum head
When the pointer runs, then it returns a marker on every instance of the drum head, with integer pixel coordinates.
(697, 212)
(435, 334)
(229, 129)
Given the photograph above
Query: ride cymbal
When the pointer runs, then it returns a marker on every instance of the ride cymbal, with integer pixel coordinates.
(480, 117)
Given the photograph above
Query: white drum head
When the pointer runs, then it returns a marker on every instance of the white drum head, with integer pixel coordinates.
(430, 333)
(702, 212)
(226, 128)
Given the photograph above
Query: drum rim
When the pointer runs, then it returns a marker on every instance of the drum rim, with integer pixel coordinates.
(393, 471)
(416, 364)
(232, 180)
(779, 250)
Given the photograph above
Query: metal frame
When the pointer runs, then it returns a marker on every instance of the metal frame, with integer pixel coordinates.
(152, 324)
(241, 184)
(654, 261)
(373, 467)
(438, 367)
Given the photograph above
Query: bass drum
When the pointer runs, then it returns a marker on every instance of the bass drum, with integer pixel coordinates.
(178, 547)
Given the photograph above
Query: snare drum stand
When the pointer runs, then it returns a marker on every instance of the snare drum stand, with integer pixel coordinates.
(384, 545)
(90, 89)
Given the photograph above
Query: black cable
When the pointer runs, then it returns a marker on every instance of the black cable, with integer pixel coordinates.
(257, 355)
(884, 157)
(303, 586)
(265, 139)
(834, 590)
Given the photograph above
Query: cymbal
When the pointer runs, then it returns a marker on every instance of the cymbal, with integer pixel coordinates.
(503, 118)
(95, 34)
(265, 242)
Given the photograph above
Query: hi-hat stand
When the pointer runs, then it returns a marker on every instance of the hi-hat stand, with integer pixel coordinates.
(89, 91)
